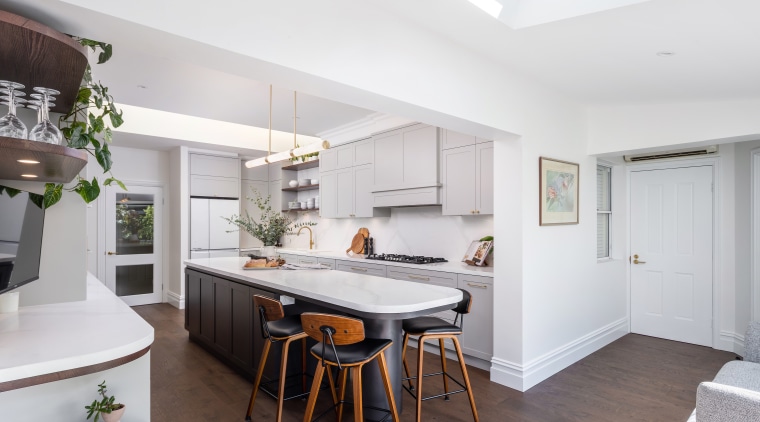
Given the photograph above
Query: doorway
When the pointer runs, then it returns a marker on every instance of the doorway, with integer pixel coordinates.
(133, 243)
(671, 271)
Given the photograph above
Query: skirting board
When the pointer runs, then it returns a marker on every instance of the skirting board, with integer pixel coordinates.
(523, 377)
(175, 300)
(731, 342)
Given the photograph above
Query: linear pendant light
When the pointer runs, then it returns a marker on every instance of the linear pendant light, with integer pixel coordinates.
(285, 155)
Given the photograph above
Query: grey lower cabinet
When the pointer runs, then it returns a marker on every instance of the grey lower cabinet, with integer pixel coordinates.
(220, 316)
(477, 338)
(360, 268)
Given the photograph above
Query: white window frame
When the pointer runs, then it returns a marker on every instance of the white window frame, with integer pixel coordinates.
(608, 167)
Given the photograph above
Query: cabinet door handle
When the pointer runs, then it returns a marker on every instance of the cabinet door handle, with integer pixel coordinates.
(307, 262)
(479, 286)
(477, 211)
(416, 277)
(359, 269)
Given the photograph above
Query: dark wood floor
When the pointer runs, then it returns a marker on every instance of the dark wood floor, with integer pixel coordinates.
(636, 378)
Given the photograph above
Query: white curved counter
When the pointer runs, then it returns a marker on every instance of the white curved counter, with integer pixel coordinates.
(52, 342)
(360, 294)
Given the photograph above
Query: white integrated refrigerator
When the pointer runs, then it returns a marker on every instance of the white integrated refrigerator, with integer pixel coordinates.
(210, 235)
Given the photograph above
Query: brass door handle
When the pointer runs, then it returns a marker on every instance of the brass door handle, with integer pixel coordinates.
(359, 269)
(636, 260)
(112, 253)
(416, 277)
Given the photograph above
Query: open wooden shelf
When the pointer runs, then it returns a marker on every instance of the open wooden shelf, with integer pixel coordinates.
(300, 209)
(301, 188)
(57, 164)
(35, 55)
(302, 166)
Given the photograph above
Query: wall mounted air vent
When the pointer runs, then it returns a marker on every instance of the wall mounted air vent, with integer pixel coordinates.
(678, 153)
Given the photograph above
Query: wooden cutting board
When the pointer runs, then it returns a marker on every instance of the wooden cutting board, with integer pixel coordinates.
(357, 244)
(364, 232)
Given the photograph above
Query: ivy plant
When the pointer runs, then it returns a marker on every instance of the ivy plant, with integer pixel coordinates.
(86, 127)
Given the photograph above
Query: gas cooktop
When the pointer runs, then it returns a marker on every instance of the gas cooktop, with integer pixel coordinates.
(408, 259)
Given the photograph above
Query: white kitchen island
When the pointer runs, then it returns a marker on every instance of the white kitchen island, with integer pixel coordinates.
(382, 303)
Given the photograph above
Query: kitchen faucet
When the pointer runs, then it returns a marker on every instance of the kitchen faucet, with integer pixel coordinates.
(311, 242)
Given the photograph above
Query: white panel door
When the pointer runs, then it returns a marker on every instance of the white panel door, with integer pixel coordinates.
(199, 224)
(672, 254)
(222, 234)
(133, 236)
(458, 180)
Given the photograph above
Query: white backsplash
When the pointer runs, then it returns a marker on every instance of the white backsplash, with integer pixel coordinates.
(411, 231)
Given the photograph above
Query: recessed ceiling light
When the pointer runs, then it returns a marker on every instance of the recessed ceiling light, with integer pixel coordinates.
(31, 176)
(28, 161)
(142, 86)
(492, 7)
(666, 53)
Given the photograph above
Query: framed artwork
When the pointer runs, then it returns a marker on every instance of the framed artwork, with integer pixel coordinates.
(558, 185)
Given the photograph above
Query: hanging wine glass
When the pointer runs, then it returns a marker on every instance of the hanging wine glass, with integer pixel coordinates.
(36, 104)
(10, 125)
(45, 131)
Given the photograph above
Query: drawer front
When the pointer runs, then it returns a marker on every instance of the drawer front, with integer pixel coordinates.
(327, 261)
(308, 260)
(361, 268)
(209, 165)
(214, 187)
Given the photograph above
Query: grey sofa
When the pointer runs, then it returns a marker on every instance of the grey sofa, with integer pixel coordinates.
(734, 394)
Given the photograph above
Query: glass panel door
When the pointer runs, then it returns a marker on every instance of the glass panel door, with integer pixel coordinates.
(133, 243)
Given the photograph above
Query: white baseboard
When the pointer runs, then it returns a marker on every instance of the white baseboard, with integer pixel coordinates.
(523, 377)
(175, 300)
(731, 342)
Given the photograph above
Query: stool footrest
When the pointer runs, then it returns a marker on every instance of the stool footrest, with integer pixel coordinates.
(410, 391)
(277, 380)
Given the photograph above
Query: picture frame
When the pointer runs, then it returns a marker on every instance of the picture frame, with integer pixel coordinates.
(558, 192)
(477, 252)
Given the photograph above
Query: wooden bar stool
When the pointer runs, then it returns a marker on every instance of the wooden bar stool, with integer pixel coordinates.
(343, 345)
(276, 327)
(431, 328)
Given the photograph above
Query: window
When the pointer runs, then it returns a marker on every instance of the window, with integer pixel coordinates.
(603, 210)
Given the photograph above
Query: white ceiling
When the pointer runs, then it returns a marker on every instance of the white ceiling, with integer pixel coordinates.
(601, 57)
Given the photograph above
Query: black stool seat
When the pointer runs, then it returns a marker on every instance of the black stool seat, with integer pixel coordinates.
(286, 327)
(352, 353)
(429, 325)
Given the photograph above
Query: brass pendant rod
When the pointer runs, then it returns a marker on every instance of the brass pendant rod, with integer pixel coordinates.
(269, 148)
(295, 144)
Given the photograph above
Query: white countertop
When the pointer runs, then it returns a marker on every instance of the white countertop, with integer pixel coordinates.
(365, 294)
(45, 339)
(447, 267)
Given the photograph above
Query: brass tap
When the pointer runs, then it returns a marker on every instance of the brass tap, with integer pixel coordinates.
(311, 241)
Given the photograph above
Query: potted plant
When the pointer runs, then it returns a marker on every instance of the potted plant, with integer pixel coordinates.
(271, 225)
(105, 408)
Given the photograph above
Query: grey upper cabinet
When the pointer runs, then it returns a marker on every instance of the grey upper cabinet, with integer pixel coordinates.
(347, 180)
(467, 177)
(214, 177)
(484, 179)
(451, 139)
(406, 167)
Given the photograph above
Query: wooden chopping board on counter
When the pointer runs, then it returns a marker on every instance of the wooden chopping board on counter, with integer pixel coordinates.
(357, 242)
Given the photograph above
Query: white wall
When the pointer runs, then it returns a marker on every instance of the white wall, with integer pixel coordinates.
(133, 167)
(179, 225)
